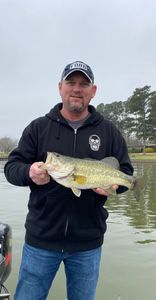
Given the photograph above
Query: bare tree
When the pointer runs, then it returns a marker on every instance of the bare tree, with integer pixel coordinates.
(7, 144)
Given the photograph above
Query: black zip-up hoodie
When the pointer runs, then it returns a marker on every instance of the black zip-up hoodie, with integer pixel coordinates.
(57, 219)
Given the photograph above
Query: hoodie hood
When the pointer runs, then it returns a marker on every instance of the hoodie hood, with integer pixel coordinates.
(54, 114)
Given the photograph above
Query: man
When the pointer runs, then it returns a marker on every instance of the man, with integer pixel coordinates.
(59, 225)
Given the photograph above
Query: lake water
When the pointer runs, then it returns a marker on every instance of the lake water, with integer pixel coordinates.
(128, 267)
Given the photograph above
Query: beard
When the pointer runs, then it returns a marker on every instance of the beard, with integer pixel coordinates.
(75, 106)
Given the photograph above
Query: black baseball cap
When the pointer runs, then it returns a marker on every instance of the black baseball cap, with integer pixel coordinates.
(78, 66)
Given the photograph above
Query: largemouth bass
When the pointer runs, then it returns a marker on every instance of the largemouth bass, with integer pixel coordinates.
(79, 174)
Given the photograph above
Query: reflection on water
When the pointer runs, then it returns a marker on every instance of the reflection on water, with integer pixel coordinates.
(146, 241)
(140, 214)
(128, 267)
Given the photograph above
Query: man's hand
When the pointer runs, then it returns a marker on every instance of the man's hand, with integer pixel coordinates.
(38, 175)
(103, 192)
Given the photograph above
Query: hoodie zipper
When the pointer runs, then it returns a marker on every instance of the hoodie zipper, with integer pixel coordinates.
(75, 137)
(74, 150)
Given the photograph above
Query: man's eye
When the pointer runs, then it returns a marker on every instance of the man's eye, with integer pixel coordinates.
(70, 82)
(85, 84)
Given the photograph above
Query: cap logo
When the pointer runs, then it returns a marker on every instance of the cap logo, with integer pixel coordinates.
(78, 65)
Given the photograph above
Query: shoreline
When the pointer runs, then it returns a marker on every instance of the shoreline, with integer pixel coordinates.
(134, 157)
(143, 160)
(149, 158)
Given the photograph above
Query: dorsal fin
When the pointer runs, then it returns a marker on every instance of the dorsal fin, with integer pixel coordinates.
(112, 162)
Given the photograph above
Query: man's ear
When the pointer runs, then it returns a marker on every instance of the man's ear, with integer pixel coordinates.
(94, 89)
(59, 86)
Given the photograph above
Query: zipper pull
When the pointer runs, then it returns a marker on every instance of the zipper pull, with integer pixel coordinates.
(74, 146)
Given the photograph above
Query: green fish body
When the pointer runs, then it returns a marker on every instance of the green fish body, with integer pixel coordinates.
(79, 174)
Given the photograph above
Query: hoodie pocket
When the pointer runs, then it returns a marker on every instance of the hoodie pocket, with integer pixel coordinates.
(47, 214)
(101, 217)
(86, 220)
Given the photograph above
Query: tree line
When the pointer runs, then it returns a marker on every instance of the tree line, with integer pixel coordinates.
(135, 117)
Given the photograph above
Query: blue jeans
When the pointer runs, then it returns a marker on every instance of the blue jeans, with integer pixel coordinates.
(39, 267)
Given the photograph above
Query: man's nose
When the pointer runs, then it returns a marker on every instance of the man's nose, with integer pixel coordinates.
(77, 87)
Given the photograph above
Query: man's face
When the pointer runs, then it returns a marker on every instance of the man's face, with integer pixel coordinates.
(76, 92)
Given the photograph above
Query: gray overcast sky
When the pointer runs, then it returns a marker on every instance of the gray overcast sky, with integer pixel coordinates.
(117, 38)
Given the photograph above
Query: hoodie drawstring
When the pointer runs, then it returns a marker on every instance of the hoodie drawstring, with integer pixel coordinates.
(58, 129)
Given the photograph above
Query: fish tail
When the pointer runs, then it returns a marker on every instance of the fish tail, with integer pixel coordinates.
(138, 188)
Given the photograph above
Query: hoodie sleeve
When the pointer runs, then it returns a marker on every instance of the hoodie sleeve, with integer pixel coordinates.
(20, 159)
(120, 151)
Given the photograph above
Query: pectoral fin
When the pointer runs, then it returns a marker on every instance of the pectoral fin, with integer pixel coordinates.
(76, 191)
(80, 179)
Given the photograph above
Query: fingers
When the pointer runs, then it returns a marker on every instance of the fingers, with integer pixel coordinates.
(114, 187)
(38, 175)
(103, 192)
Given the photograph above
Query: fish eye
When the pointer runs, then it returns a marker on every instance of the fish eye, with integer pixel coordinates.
(57, 155)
